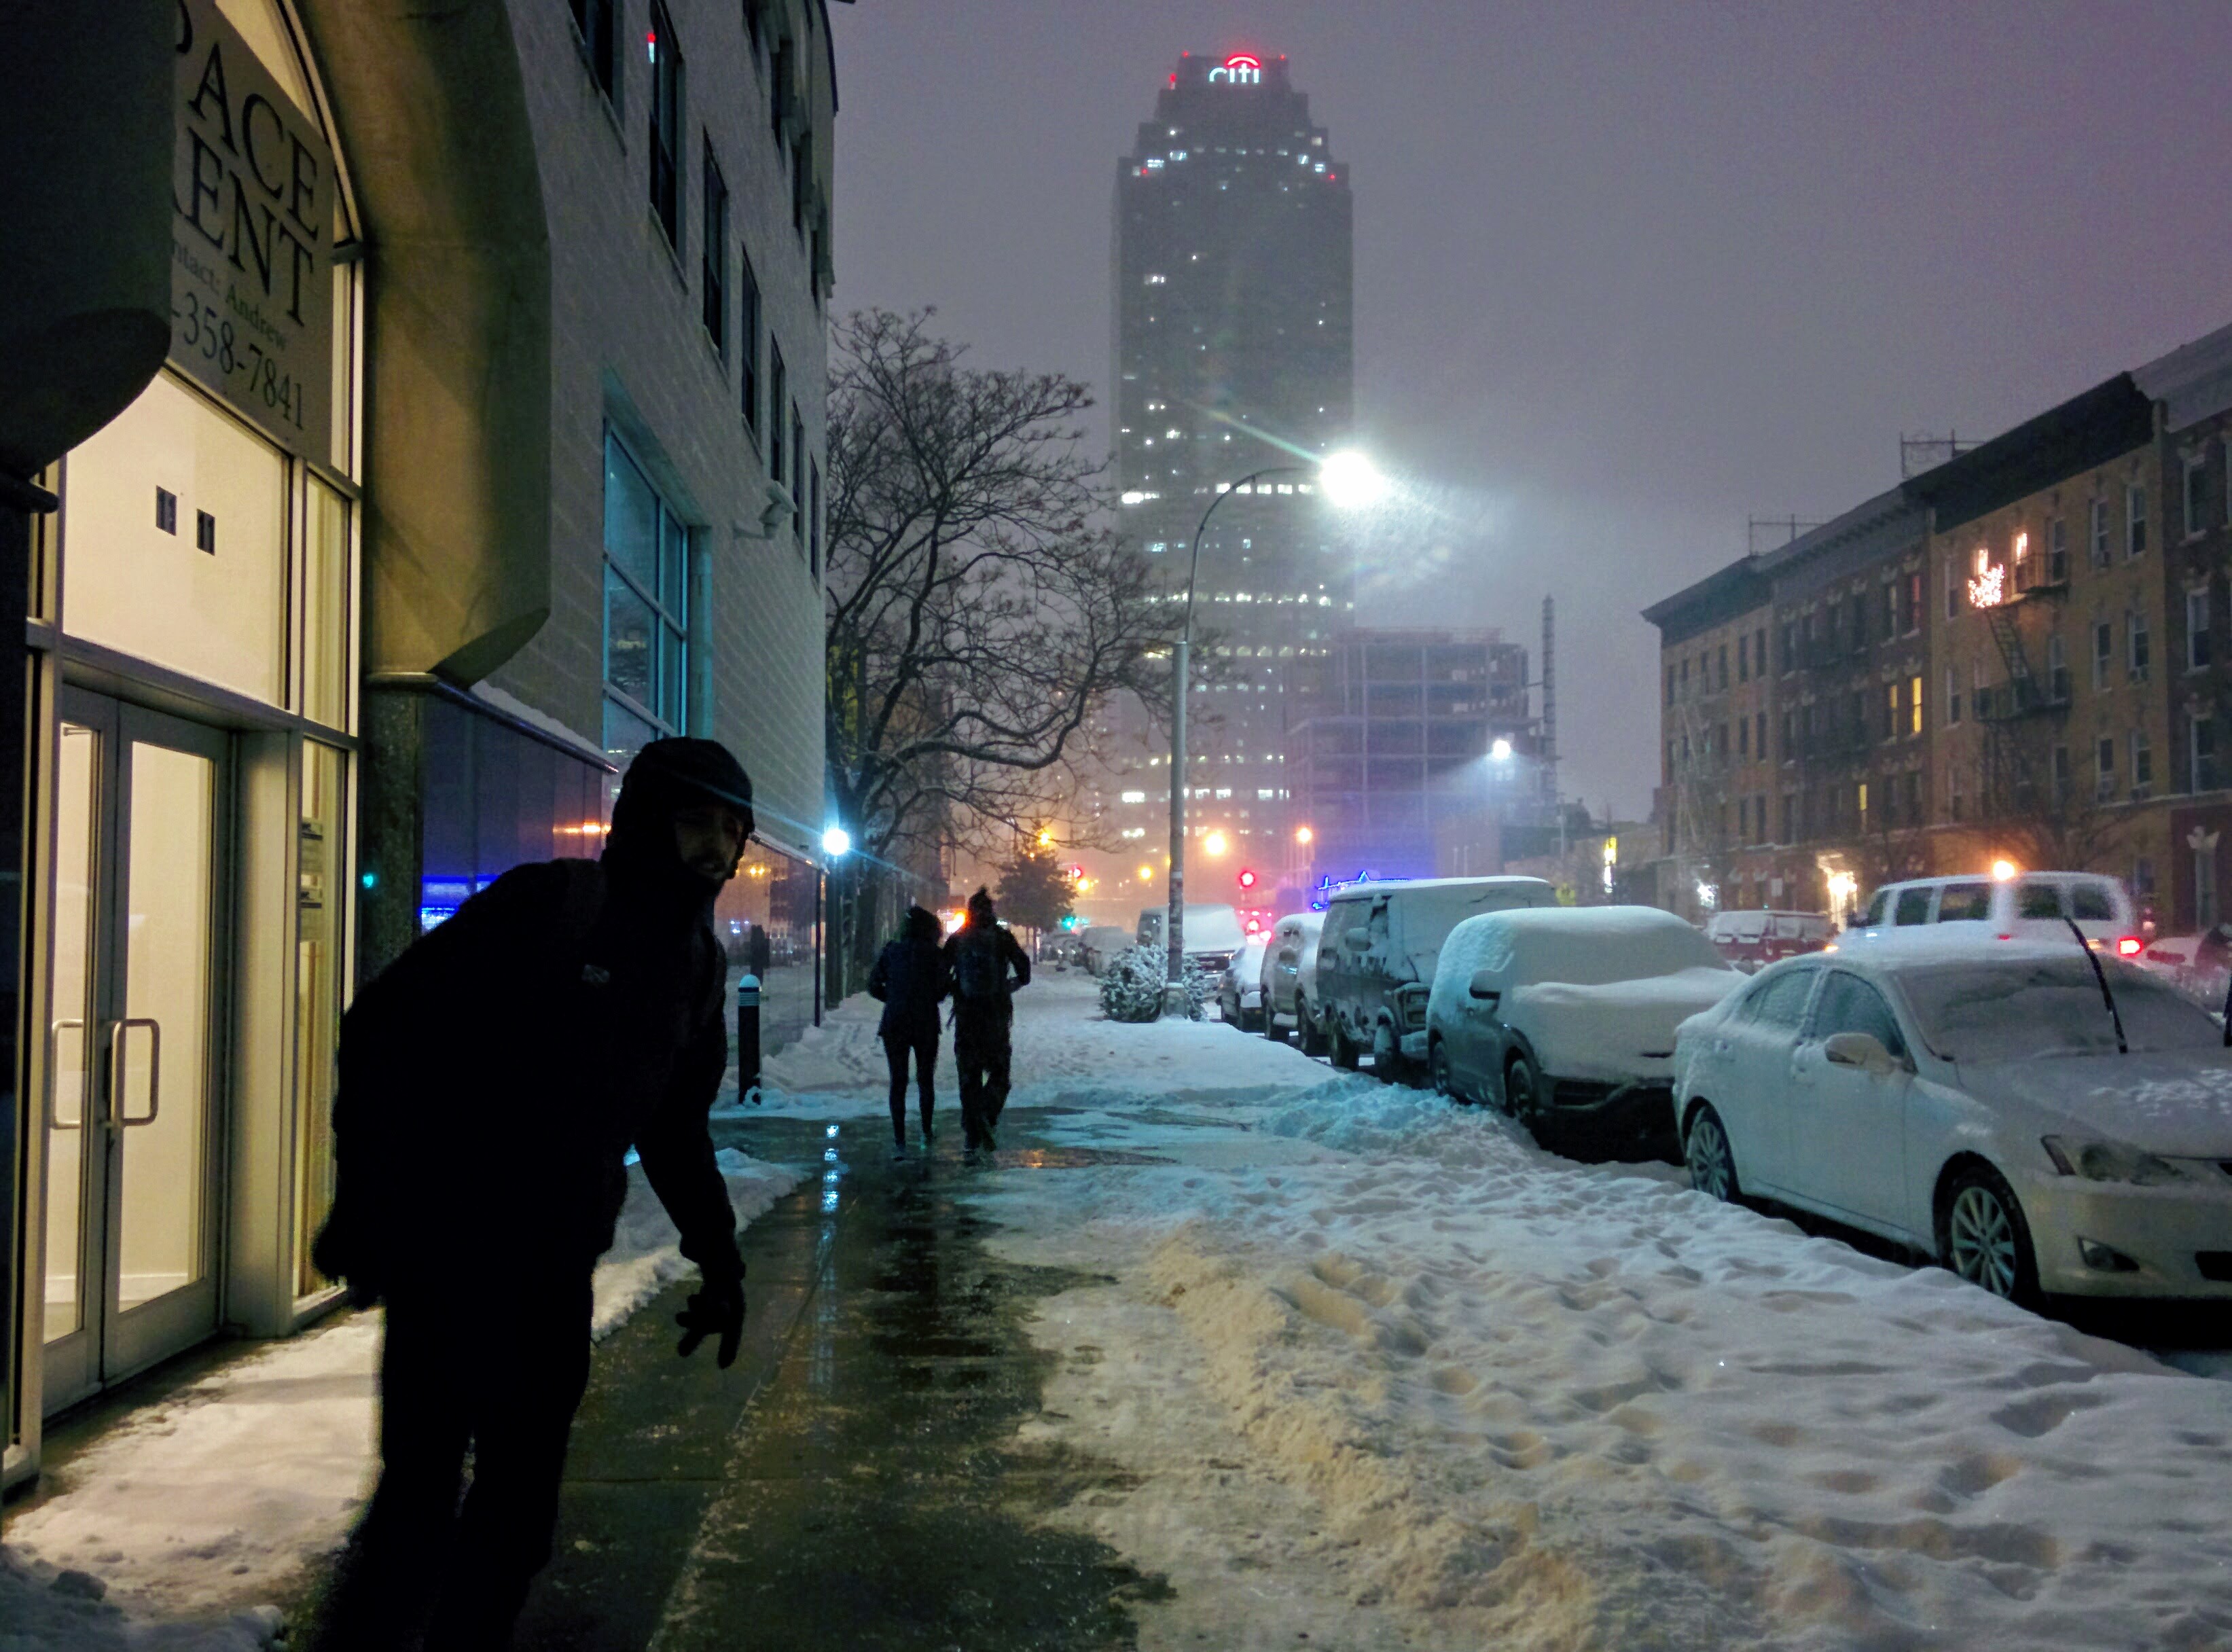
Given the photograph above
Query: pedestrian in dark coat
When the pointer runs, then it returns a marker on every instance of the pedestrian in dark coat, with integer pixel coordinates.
(492, 1080)
(911, 980)
(983, 955)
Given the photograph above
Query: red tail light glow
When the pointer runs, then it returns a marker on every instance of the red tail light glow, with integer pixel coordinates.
(2129, 947)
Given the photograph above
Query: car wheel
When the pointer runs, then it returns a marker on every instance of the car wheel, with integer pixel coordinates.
(1712, 1166)
(1982, 1235)
(1438, 1069)
(1385, 1057)
(1272, 1030)
(1519, 1088)
(1342, 1050)
(1313, 1035)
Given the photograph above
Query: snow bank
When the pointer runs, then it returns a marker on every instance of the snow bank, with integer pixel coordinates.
(1455, 1392)
(220, 1493)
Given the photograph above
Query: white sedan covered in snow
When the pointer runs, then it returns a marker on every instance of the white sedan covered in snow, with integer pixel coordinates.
(1565, 1016)
(1985, 1105)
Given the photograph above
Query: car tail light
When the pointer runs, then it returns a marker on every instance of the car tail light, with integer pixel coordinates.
(2128, 947)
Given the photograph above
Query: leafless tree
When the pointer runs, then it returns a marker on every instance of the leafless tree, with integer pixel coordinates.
(980, 612)
(2035, 804)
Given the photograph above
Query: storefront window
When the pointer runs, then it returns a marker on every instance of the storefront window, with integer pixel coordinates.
(319, 909)
(496, 798)
(326, 590)
(174, 542)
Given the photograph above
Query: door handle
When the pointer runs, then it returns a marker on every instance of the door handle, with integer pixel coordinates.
(116, 1070)
(54, 1120)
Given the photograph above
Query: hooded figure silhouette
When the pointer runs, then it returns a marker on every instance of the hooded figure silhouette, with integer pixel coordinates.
(909, 980)
(988, 966)
(492, 1081)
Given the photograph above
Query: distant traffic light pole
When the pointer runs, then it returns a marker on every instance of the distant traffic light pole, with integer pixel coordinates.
(1349, 480)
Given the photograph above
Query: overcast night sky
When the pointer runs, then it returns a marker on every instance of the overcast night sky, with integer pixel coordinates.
(1627, 275)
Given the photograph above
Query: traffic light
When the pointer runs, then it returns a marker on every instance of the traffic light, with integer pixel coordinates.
(1246, 879)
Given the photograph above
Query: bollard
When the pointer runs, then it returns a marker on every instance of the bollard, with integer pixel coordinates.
(748, 1039)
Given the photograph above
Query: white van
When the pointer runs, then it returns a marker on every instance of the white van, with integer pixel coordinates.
(2031, 906)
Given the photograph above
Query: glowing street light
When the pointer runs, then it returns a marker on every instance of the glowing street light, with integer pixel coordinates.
(1352, 482)
(1303, 835)
(2002, 870)
(1500, 751)
(1215, 843)
(1146, 874)
(836, 842)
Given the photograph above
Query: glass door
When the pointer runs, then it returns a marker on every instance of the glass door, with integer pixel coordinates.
(133, 1156)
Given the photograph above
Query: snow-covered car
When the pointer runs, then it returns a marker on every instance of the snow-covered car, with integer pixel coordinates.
(1212, 933)
(2032, 906)
(1984, 1104)
(1381, 942)
(1753, 938)
(1290, 968)
(1565, 1017)
(1240, 989)
(1102, 943)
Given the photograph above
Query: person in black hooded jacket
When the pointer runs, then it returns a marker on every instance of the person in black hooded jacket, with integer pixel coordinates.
(492, 1080)
(988, 966)
(911, 979)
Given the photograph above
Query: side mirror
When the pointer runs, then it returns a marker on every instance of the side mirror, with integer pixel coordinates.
(1862, 1050)
(1483, 987)
(1357, 939)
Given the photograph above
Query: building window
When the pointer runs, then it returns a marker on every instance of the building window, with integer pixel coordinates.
(646, 621)
(2197, 489)
(1789, 648)
(1725, 668)
(814, 516)
(1952, 591)
(1743, 736)
(802, 181)
(1914, 797)
(1910, 619)
(2057, 670)
(713, 235)
(2201, 748)
(2139, 653)
(2104, 653)
(2057, 551)
(2143, 765)
(779, 91)
(1759, 651)
(1914, 704)
(1759, 745)
(2099, 532)
(597, 24)
(1894, 710)
(1685, 678)
(1669, 685)
(2056, 775)
(2197, 630)
(1952, 791)
(2135, 520)
(798, 470)
(666, 125)
(1952, 696)
(748, 337)
(2104, 781)
(778, 394)
(1743, 659)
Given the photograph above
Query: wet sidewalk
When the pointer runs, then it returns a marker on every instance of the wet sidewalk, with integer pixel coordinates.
(854, 1480)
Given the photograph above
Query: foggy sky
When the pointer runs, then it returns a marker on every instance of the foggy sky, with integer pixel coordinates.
(1627, 275)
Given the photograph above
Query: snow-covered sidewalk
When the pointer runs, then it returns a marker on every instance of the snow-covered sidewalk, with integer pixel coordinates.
(166, 1531)
(1390, 1376)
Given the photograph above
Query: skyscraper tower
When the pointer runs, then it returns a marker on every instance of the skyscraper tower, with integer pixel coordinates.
(1233, 352)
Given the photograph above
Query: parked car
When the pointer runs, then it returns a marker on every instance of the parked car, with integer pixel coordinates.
(1101, 943)
(1751, 940)
(1566, 1019)
(1240, 989)
(1376, 963)
(1982, 1103)
(1212, 934)
(2032, 906)
(1290, 969)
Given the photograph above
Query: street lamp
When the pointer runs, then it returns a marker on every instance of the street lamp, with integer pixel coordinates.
(1349, 481)
(836, 844)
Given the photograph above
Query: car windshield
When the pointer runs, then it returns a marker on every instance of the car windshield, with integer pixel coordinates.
(1981, 1010)
(1587, 947)
(1429, 914)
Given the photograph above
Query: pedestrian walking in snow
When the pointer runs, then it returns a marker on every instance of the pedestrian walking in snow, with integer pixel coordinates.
(910, 979)
(982, 955)
(492, 1081)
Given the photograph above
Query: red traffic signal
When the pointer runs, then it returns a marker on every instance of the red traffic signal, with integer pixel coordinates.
(1246, 879)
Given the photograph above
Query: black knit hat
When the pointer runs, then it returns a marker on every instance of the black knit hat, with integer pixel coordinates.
(667, 777)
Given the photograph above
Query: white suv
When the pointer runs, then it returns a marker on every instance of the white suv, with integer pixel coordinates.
(2032, 906)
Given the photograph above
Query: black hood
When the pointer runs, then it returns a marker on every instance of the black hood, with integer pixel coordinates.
(667, 777)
